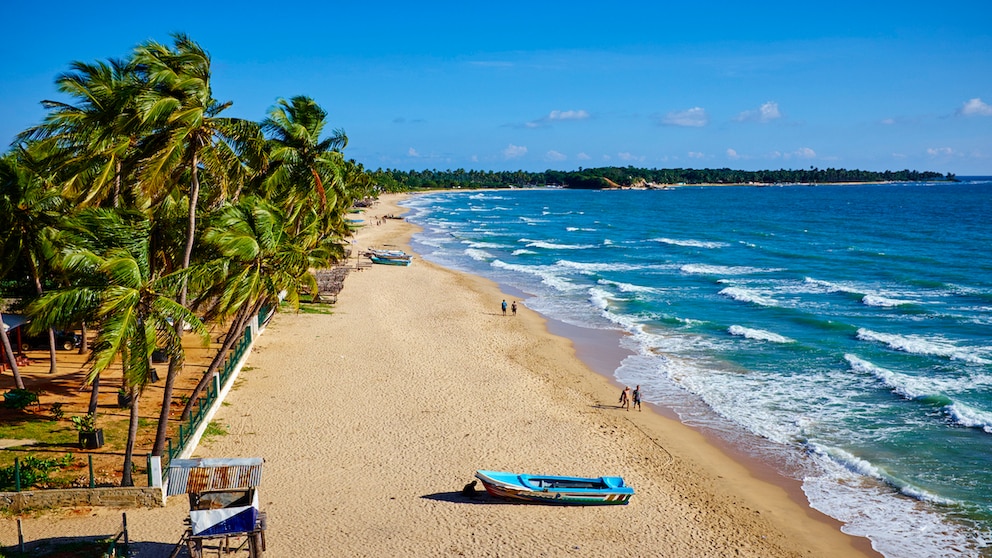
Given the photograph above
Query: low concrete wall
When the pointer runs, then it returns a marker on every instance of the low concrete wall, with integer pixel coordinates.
(131, 497)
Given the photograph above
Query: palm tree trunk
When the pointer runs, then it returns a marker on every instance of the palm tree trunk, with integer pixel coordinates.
(84, 345)
(233, 334)
(94, 394)
(52, 366)
(175, 366)
(11, 359)
(132, 435)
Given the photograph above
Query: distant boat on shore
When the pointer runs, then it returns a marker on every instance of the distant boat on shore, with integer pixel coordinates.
(550, 489)
(389, 257)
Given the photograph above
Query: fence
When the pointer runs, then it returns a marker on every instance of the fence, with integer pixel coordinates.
(192, 430)
(188, 437)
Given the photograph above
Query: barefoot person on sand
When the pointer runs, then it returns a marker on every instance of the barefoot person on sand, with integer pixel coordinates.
(625, 398)
(504, 307)
(637, 397)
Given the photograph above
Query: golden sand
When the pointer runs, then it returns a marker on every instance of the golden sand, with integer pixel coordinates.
(371, 420)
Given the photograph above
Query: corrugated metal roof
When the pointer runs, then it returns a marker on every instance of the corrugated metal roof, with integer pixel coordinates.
(189, 476)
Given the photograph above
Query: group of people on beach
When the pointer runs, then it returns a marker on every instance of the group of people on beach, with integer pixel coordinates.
(626, 396)
(513, 307)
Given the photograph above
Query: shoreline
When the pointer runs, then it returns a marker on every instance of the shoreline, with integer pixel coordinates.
(604, 367)
(372, 418)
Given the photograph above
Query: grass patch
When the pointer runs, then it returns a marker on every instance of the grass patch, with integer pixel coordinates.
(213, 430)
(317, 308)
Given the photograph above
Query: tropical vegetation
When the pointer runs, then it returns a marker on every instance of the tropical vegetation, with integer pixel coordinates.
(613, 177)
(138, 210)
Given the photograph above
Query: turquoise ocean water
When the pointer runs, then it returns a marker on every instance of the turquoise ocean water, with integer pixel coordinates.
(842, 334)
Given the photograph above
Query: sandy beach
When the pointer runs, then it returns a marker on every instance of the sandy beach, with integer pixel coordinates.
(372, 418)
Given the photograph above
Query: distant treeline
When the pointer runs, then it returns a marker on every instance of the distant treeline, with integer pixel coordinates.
(612, 177)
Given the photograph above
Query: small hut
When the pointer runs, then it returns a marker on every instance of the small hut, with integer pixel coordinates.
(223, 500)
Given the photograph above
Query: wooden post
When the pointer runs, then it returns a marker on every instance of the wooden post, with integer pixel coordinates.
(20, 536)
(92, 478)
(126, 541)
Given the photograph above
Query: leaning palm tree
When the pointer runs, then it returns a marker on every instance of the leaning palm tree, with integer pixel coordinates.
(32, 211)
(134, 308)
(302, 164)
(191, 145)
(256, 261)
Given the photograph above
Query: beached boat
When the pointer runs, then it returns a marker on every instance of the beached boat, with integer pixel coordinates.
(390, 261)
(555, 489)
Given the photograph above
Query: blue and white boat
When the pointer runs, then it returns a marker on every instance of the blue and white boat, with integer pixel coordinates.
(556, 489)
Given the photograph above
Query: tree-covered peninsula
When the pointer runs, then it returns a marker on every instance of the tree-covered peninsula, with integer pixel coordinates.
(631, 177)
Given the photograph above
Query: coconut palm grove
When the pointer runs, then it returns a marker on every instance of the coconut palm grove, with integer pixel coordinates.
(136, 209)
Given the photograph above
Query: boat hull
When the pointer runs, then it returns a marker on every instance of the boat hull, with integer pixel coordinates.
(390, 261)
(547, 489)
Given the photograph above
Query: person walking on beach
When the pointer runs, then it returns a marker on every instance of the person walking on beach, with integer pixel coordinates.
(625, 398)
(513, 307)
(637, 397)
(504, 307)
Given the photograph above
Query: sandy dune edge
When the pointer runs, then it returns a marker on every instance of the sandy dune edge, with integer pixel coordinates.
(372, 419)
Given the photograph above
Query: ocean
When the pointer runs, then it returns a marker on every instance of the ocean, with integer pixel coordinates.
(842, 334)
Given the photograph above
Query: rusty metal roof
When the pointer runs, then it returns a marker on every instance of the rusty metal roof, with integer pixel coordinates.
(190, 476)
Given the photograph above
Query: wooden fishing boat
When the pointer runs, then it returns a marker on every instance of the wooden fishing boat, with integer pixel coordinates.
(382, 260)
(556, 490)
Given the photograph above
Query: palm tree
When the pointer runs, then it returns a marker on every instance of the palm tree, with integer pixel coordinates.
(32, 212)
(256, 260)
(302, 163)
(190, 144)
(98, 133)
(8, 351)
(135, 309)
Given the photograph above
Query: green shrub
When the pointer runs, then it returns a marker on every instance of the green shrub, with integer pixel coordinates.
(19, 398)
(34, 471)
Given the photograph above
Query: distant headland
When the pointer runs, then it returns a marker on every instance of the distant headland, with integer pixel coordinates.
(603, 178)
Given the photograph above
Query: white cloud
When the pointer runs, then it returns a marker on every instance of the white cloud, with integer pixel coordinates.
(732, 154)
(940, 151)
(802, 153)
(975, 107)
(413, 153)
(888, 121)
(695, 155)
(554, 156)
(514, 151)
(694, 118)
(583, 157)
(568, 115)
(627, 156)
(765, 113)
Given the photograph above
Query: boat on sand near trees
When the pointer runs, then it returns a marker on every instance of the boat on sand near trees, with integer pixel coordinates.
(555, 489)
(389, 257)
(389, 261)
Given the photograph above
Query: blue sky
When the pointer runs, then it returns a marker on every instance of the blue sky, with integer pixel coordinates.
(561, 85)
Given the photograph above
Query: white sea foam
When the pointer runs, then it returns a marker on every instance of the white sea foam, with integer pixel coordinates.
(628, 287)
(690, 243)
(919, 345)
(745, 295)
(545, 273)
(552, 246)
(492, 245)
(881, 301)
(523, 251)
(966, 415)
(478, 255)
(582, 229)
(705, 269)
(758, 334)
(594, 266)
